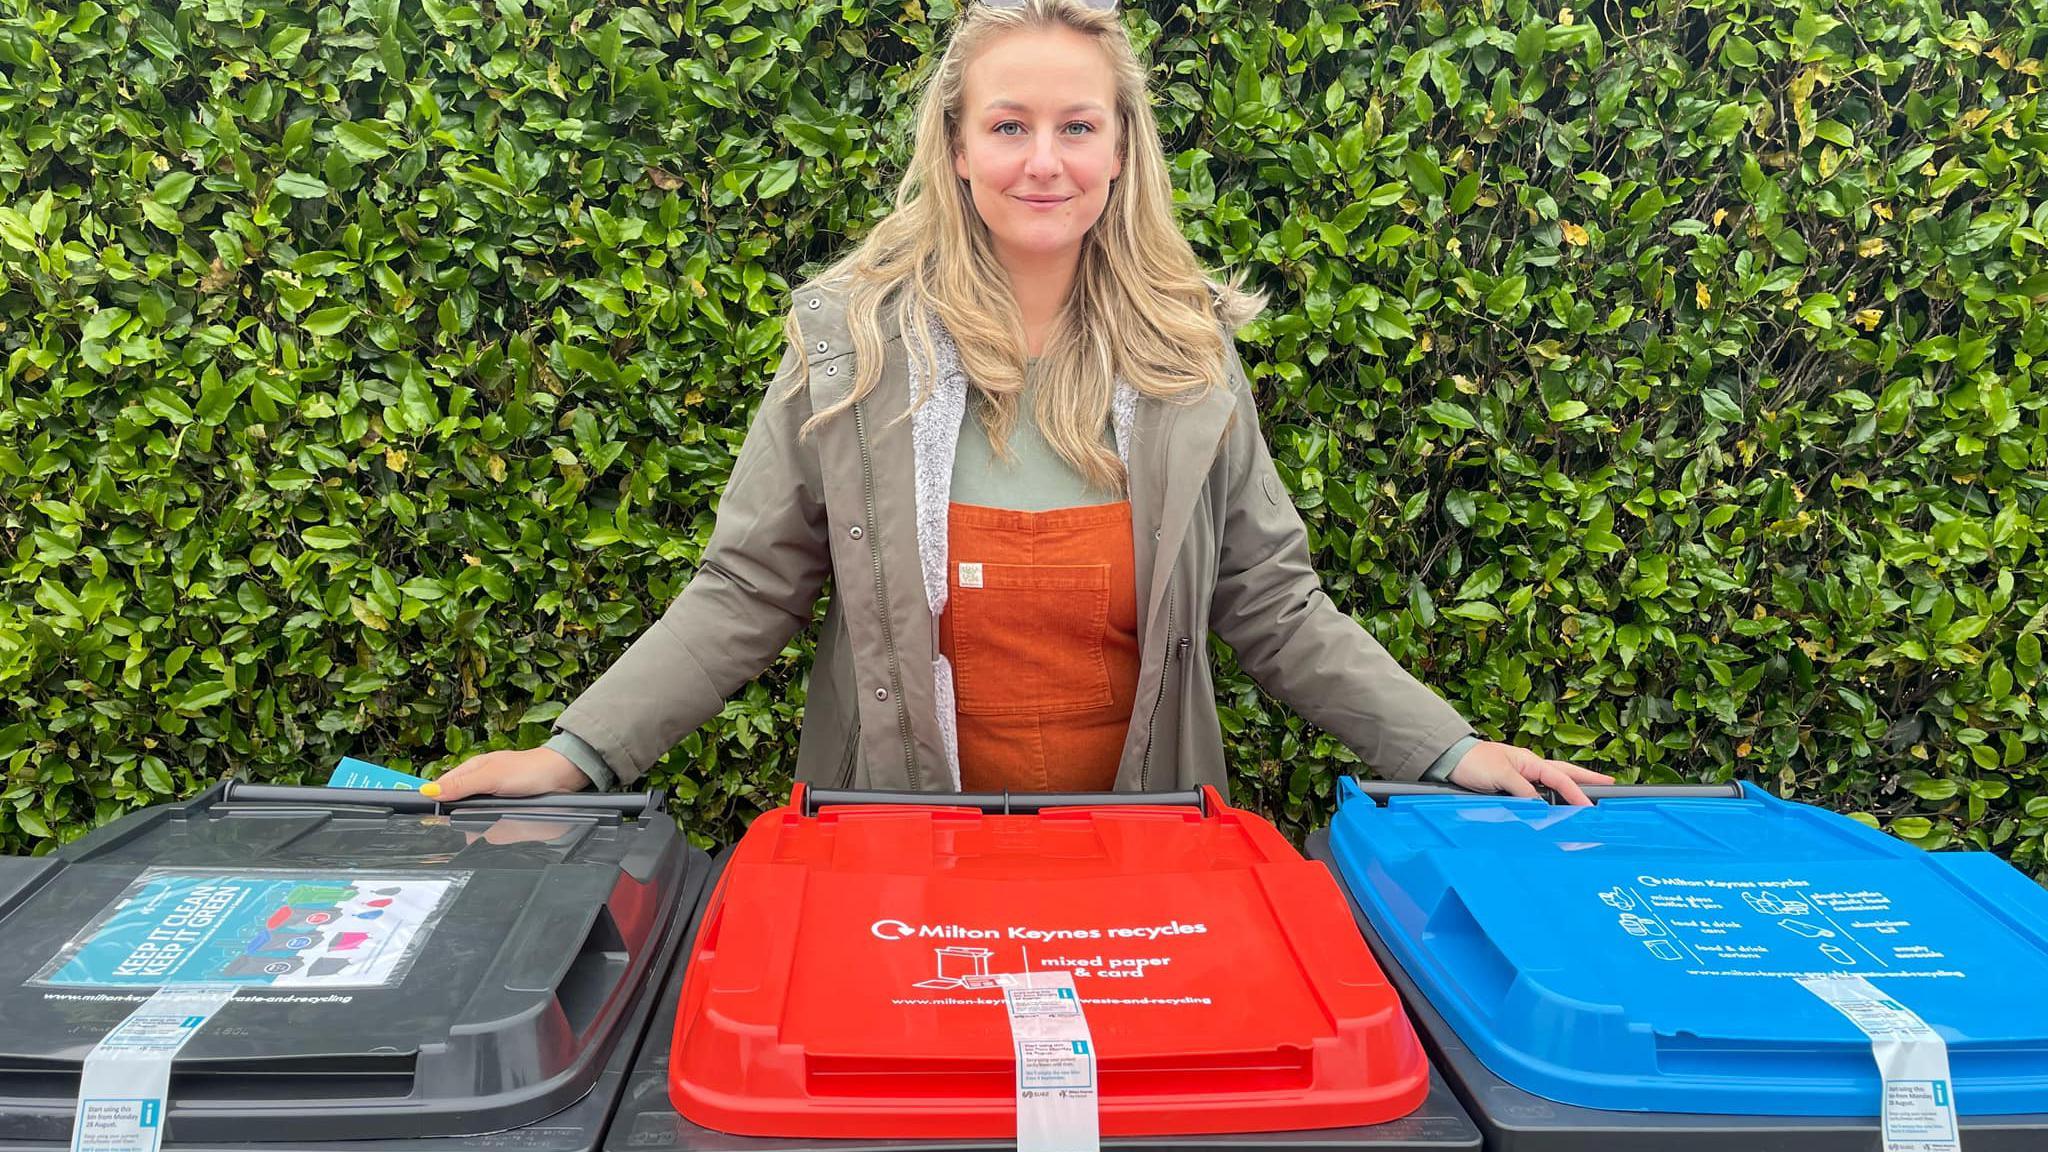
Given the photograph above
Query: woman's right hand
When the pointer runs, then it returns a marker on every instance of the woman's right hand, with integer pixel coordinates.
(512, 772)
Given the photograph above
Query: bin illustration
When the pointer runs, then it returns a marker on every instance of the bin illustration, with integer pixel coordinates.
(409, 975)
(1642, 973)
(841, 988)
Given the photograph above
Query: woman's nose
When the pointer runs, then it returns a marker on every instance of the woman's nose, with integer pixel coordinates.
(1044, 160)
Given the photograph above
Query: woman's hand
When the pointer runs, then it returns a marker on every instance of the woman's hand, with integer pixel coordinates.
(1493, 767)
(517, 772)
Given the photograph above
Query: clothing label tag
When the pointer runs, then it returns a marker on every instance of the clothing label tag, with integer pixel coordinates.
(1918, 1109)
(1056, 1101)
(128, 1074)
(970, 575)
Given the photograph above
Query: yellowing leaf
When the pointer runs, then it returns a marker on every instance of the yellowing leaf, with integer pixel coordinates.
(1869, 318)
(1870, 246)
(1802, 100)
(1701, 296)
(1573, 234)
(1883, 210)
(370, 617)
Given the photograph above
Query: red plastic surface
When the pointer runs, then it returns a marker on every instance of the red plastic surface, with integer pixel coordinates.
(836, 984)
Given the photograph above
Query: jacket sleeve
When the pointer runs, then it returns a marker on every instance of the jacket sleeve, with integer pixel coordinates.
(1291, 638)
(754, 589)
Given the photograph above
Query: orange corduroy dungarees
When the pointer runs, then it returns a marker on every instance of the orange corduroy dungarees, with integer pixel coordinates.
(1041, 627)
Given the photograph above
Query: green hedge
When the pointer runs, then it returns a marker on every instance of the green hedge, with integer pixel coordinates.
(1657, 380)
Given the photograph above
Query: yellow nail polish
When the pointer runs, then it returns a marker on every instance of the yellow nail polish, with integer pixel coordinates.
(430, 791)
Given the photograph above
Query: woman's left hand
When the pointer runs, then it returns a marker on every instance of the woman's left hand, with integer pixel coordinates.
(1493, 767)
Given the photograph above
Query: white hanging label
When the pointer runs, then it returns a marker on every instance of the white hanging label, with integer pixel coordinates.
(127, 1075)
(1056, 1085)
(1919, 1106)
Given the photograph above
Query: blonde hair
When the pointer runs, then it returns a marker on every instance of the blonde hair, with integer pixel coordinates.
(1142, 309)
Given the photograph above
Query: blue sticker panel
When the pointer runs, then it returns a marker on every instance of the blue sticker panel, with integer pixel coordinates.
(330, 929)
(1644, 955)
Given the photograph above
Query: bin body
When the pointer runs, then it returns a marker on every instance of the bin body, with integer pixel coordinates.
(841, 980)
(410, 975)
(1628, 974)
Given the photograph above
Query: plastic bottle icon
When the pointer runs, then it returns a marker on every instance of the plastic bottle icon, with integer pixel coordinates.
(1771, 905)
(1810, 931)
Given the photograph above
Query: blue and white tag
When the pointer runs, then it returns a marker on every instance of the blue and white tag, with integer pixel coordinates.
(127, 1075)
(354, 773)
(1919, 1106)
(1056, 1086)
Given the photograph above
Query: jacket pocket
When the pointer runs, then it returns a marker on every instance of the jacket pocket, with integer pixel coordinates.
(1029, 639)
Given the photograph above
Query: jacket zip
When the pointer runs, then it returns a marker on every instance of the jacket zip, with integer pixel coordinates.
(1151, 723)
(867, 476)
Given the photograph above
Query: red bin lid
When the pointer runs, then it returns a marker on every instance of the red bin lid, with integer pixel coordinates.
(838, 982)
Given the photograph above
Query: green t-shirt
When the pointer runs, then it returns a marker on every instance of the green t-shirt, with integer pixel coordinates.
(1034, 479)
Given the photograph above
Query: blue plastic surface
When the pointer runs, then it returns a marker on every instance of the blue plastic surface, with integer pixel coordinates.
(1643, 955)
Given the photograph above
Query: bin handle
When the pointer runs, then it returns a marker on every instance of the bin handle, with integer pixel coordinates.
(626, 805)
(1381, 791)
(1004, 803)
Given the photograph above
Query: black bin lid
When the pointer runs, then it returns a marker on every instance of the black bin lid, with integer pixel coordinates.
(508, 944)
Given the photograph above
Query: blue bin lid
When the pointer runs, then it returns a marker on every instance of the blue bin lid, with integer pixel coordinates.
(1643, 954)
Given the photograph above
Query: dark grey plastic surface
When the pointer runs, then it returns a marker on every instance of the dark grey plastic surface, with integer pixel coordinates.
(647, 1121)
(1517, 1121)
(515, 1028)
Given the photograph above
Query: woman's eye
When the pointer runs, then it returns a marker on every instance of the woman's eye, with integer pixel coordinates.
(1084, 126)
(1003, 129)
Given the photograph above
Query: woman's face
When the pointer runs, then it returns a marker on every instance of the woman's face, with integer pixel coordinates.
(1038, 141)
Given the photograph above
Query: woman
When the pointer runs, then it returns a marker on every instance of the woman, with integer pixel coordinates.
(1012, 428)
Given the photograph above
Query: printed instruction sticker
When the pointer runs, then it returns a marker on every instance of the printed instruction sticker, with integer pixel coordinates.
(1918, 1109)
(1056, 1095)
(285, 929)
(127, 1075)
(1054, 1064)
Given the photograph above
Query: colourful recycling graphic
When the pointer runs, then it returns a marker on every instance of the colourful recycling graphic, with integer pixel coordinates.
(276, 928)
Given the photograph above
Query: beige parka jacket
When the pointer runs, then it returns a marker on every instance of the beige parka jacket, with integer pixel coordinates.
(1218, 545)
